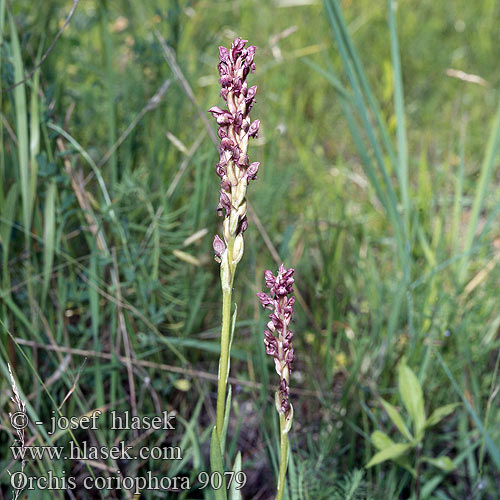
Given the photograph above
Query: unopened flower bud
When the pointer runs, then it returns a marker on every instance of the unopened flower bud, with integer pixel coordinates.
(225, 202)
(224, 55)
(252, 170)
(265, 300)
(254, 128)
(219, 246)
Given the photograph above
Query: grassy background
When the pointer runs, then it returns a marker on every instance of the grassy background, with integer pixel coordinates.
(388, 212)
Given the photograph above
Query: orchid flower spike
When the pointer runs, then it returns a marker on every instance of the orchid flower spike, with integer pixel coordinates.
(235, 129)
(278, 336)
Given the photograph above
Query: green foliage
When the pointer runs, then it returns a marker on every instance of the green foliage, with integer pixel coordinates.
(351, 487)
(378, 184)
(411, 394)
(217, 465)
(308, 481)
(413, 398)
(234, 492)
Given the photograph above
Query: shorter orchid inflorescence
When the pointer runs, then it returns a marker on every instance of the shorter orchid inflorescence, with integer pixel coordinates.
(278, 341)
(278, 336)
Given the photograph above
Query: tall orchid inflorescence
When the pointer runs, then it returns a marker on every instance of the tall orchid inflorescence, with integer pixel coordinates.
(235, 171)
(235, 129)
(278, 341)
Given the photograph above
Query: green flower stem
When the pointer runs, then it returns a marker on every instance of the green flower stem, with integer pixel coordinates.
(283, 456)
(227, 288)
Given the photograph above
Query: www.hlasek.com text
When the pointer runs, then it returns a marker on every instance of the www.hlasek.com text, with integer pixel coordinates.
(84, 451)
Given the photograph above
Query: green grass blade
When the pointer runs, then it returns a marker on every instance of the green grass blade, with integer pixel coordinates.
(49, 231)
(22, 128)
(227, 413)
(481, 191)
(234, 493)
(336, 83)
(34, 134)
(107, 49)
(217, 466)
(358, 68)
(402, 165)
(342, 38)
(7, 219)
(492, 448)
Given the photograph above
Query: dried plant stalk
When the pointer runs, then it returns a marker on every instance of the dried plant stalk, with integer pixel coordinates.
(19, 427)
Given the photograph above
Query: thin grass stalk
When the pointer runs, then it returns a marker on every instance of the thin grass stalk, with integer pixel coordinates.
(109, 81)
(491, 446)
(402, 163)
(364, 84)
(341, 36)
(21, 111)
(367, 108)
(2, 150)
(481, 192)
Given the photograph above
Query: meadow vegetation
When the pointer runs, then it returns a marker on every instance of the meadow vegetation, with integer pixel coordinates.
(378, 183)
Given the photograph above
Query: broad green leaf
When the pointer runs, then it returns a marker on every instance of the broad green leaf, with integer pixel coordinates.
(217, 465)
(413, 399)
(381, 440)
(397, 419)
(439, 413)
(390, 453)
(443, 463)
(234, 493)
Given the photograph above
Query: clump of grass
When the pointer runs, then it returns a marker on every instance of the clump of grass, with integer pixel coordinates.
(335, 226)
